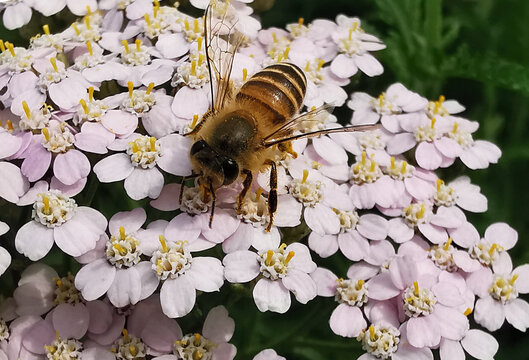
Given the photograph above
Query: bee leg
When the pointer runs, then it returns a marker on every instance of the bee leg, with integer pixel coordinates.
(272, 195)
(246, 183)
(212, 203)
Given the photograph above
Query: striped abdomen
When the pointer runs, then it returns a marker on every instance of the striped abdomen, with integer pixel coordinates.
(278, 90)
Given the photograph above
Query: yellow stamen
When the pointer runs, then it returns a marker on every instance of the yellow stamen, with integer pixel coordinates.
(138, 44)
(46, 29)
(195, 26)
(432, 124)
(88, 10)
(152, 141)
(125, 334)
(355, 26)
(305, 176)
(274, 37)
(26, 109)
(300, 21)
(91, 93)
(258, 194)
(373, 164)
(53, 62)
(493, 248)
(244, 74)
(392, 162)
(364, 156)
(372, 332)
(149, 88)
(441, 99)
(46, 134)
(122, 234)
(307, 66)
(359, 284)
(121, 250)
(155, 10)
(57, 335)
(147, 19)
(89, 47)
(448, 243)
(46, 201)
(269, 255)
(76, 29)
(161, 238)
(289, 257)
(156, 3)
(513, 279)
(84, 106)
(200, 59)
(133, 350)
(468, 311)
(199, 43)
(282, 247)
(416, 288)
(193, 68)
(87, 22)
(125, 45)
(279, 57)
(198, 355)
(186, 25)
(454, 129)
(194, 122)
(59, 283)
(131, 88)
(320, 64)
(421, 212)
(2, 46)
(439, 184)
(285, 53)
(197, 339)
(9, 125)
(10, 48)
(403, 169)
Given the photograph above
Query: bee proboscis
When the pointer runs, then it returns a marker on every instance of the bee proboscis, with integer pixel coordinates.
(244, 130)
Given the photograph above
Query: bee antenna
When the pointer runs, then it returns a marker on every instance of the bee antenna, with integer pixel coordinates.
(182, 186)
(212, 203)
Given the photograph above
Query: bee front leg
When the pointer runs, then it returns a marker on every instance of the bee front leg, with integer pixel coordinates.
(272, 195)
(247, 183)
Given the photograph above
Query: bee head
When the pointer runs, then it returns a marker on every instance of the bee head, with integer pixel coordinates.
(221, 169)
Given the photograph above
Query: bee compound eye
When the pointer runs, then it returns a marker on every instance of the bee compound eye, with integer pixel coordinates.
(230, 170)
(198, 146)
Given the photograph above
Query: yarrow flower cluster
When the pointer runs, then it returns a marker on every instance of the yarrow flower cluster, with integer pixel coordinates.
(114, 97)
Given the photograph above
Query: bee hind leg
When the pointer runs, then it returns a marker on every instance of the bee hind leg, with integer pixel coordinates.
(247, 183)
(213, 199)
(272, 195)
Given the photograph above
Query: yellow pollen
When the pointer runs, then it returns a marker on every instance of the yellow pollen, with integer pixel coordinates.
(138, 44)
(285, 53)
(305, 176)
(2, 46)
(156, 3)
(392, 162)
(320, 64)
(133, 350)
(195, 26)
(125, 45)
(283, 246)
(420, 214)
(10, 48)
(307, 66)
(53, 62)
(355, 26)
(439, 184)
(372, 168)
(122, 233)
(199, 43)
(289, 257)
(120, 249)
(197, 339)
(147, 19)
(193, 68)
(350, 34)
(381, 99)
(46, 201)
(91, 93)
(89, 47)
(415, 288)
(300, 21)
(186, 24)
(26, 109)
(364, 156)
(46, 134)
(161, 238)
(279, 57)
(84, 106)
(125, 334)
(441, 99)
(493, 248)
(194, 123)
(432, 124)
(76, 29)
(274, 37)
(59, 283)
(244, 74)
(269, 255)
(149, 88)
(152, 141)
(200, 59)
(403, 168)
(468, 311)
(359, 284)
(87, 22)
(447, 245)
(88, 10)
(57, 335)
(372, 332)
(46, 29)
(513, 279)
(131, 88)
(454, 129)
(197, 355)
(155, 10)
(9, 125)
(258, 194)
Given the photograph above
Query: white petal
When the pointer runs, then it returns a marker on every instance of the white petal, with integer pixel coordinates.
(126, 288)
(479, 344)
(206, 273)
(301, 285)
(177, 296)
(113, 168)
(271, 295)
(142, 183)
(94, 279)
(34, 240)
(218, 326)
(241, 266)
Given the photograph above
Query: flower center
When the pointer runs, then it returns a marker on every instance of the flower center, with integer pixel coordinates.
(65, 291)
(315, 122)
(442, 256)
(51, 76)
(427, 132)
(417, 301)
(485, 252)
(193, 30)
(47, 40)
(351, 44)
(383, 106)
(371, 140)
(123, 250)
(503, 288)
(380, 341)
(194, 347)
(365, 171)
(193, 201)
(4, 330)
(307, 192)
(445, 195)
(172, 260)
(416, 213)
(91, 110)
(139, 101)
(463, 138)
(129, 347)
(348, 219)
(88, 29)
(254, 209)
(36, 119)
(63, 349)
(160, 21)
(89, 59)
(53, 209)
(57, 139)
(298, 29)
(279, 47)
(193, 73)
(436, 108)
(313, 70)
(399, 169)
(144, 151)
(274, 263)
(18, 59)
(351, 292)
(135, 55)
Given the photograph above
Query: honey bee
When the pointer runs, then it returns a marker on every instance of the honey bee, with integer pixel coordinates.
(244, 131)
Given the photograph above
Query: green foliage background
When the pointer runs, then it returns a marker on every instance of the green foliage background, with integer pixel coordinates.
(476, 51)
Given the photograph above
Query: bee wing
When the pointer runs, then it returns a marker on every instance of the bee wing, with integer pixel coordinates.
(222, 42)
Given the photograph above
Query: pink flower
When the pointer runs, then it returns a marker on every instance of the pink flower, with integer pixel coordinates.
(268, 354)
(12, 183)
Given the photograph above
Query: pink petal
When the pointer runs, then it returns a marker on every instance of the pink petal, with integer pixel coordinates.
(322, 220)
(343, 66)
(94, 279)
(160, 333)
(489, 313)
(71, 321)
(301, 285)
(347, 321)
(177, 296)
(502, 234)
(224, 224)
(142, 183)
(353, 245)
(119, 122)
(113, 168)
(451, 350)
(183, 227)
(130, 220)
(12, 184)
(271, 295)
(218, 326)
(373, 227)
(452, 323)
(324, 246)
(126, 288)
(522, 282)
(100, 316)
(36, 163)
(34, 240)
(423, 331)
(427, 156)
(381, 287)
(517, 314)
(175, 159)
(480, 344)
(325, 281)
(206, 273)
(241, 266)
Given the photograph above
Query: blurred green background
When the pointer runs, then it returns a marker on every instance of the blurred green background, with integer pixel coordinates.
(475, 51)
